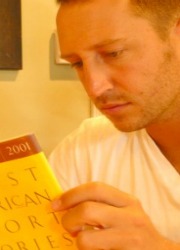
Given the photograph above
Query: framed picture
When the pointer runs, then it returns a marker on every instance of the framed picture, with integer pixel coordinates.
(10, 34)
(93, 110)
(58, 58)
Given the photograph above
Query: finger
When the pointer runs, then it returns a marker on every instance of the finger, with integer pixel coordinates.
(107, 239)
(96, 215)
(94, 191)
(85, 216)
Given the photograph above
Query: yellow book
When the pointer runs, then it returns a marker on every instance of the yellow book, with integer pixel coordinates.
(27, 187)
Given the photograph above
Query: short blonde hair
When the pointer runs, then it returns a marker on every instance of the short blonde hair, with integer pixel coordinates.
(161, 13)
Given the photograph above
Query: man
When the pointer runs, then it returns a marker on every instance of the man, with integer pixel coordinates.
(127, 55)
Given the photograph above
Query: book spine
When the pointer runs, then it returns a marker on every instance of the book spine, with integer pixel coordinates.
(19, 148)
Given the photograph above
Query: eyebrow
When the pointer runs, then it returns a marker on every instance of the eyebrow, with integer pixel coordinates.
(108, 42)
(97, 46)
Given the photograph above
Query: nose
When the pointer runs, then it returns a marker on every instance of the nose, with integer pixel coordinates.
(96, 80)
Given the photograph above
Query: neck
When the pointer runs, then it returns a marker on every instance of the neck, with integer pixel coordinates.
(167, 138)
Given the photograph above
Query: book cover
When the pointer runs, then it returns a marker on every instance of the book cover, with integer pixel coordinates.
(28, 186)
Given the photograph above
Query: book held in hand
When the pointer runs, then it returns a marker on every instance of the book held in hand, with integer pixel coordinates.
(27, 187)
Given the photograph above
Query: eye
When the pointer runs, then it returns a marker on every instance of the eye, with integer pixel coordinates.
(77, 64)
(114, 54)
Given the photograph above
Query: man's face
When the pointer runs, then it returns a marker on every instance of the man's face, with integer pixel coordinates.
(130, 74)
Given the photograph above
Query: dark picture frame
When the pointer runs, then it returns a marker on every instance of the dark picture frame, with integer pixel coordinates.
(10, 35)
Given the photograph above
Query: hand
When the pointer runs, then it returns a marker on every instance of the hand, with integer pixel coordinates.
(103, 218)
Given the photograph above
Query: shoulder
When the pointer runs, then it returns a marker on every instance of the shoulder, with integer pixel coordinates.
(96, 131)
(92, 131)
(96, 125)
(100, 130)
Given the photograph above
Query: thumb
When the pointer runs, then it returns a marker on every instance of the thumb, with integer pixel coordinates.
(94, 191)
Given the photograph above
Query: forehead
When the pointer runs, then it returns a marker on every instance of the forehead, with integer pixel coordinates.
(81, 6)
(85, 15)
(81, 26)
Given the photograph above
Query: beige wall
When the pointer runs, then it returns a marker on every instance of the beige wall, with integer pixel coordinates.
(43, 98)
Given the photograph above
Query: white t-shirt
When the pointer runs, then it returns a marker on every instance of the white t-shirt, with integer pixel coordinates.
(131, 162)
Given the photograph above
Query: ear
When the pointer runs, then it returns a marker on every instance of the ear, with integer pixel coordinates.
(178, 27)
(176, 38)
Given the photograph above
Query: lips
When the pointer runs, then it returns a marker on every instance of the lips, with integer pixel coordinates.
(112, 109)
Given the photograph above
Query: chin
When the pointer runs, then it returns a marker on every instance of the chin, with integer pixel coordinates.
(127, 126)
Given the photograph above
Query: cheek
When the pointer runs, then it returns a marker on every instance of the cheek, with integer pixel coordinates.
(133, 78)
